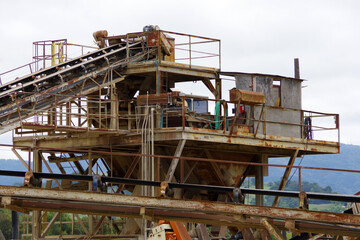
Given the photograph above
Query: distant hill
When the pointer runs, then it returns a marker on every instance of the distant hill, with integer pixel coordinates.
(16, 165)
(341, 182)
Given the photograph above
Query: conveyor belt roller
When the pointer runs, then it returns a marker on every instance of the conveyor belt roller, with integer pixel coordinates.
(22, 97)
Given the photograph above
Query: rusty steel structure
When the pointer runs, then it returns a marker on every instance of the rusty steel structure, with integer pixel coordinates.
(116, 112)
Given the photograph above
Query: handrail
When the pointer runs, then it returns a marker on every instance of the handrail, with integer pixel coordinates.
(32, 65)
(258, 124)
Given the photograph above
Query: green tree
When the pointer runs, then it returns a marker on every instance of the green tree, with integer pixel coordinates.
(5, 222)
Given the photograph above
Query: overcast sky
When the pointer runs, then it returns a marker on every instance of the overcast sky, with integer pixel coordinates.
(256, 36)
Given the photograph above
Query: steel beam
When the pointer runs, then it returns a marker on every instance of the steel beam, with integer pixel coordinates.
(272, 229)
(209, 85)
(36, 216)
(20, 158)
(224, 189)
(268, 144)
(171, 67)
(82, 224)
(175, 160)
(51, 223)
(173, 205)
(49, 169)
(191, 217)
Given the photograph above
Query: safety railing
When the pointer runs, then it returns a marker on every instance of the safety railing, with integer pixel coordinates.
(46, 54)
(197, 50)
(177, 47)
(258, 121)
(72, 113)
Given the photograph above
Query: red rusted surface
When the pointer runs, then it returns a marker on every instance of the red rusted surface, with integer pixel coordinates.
(49, 127)
(151, 99)
(246, 97)
(170, 209)
(170, 157)
(153, 39)
(180, 231)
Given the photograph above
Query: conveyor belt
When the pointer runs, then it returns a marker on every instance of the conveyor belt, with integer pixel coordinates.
(293, 194)
(32, 92)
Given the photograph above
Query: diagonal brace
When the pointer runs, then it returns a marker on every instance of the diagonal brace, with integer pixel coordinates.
(286, 176)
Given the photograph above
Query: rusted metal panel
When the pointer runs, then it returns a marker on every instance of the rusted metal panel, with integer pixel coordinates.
(151, 99)
(275, 144)
(166, 44)
(152, 39)
(180, 230)
(197, 73)
(50, 127)
(171, 58)
(246, 97)
(180, 205)
(174, 215)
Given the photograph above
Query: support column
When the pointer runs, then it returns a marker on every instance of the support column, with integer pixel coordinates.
(15, 225)
(259, 184)
(158, 90)
(158, 81)
(91, 220)
(218, 91)
(90, 170)
(259, 179)
(218, 88)
(36, 214)
(68, 114)
(114, 121)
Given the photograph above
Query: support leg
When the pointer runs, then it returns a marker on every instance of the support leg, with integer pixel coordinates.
(175, 160)
(36, 214)
(272, 229)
